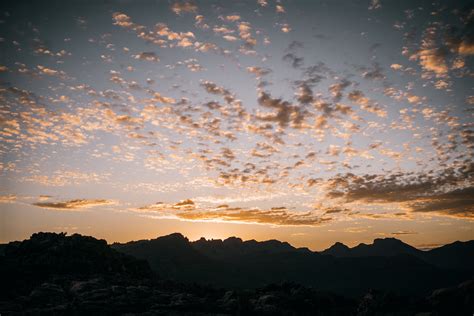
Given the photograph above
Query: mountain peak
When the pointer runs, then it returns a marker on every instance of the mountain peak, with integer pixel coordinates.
(388, 240)
(339, 245)
(233, 240)
(174, 236)
(380, 247)
(392, 243)
(337, 250)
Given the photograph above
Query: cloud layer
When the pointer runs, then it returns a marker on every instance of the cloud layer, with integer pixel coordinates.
(73, 204)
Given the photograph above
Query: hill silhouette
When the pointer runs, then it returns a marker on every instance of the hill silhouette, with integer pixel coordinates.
(58, 274)
(387, 264)
(381, 247)
(457, 255)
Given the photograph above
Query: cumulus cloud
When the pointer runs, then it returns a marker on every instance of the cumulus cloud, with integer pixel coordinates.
(160, 206)
(148, 56)
(232, 18)
(365, 103)
(230, 38)
(285, 111)
(122, 20)
(180, 7)
(375, 4)
(245, 33)
(214, 88)
(44, 197)
(374, 73)
(337, 89)
(404, 232)
(304, 94)
(277, 216)
(74, 204)
(438, 57)
(66, 177)
(433, 59)
(266, 217)
(8, 198)
(51, 72)
(295, 61)
(161, 35)
(285, 28)
(448, 193)
(466, 48)
(458, 203)
(280, 9)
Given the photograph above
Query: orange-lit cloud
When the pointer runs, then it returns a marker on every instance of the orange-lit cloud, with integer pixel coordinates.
(184, 7)
(73, 204)
(9, 198)
(423, 193)
(278, 216)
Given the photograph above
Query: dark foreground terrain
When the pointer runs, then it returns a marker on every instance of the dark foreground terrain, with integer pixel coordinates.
(76, 275)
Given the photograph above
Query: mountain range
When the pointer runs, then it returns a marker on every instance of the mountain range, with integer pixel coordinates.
(387, 264)
(457, 255)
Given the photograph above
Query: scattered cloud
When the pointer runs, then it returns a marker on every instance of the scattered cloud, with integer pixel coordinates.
(404, 232)
(256, 216)
(277, 216)
(9, 198)
(375, 4)
(73, 204)
(445, 193)
(180, 7)
(148, 56)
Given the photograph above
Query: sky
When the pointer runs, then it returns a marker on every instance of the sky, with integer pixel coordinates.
(305, 121)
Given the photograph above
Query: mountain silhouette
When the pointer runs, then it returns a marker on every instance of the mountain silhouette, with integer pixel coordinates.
(233, 246)
(387, 264)
(170, 255)
(457, 255)
(75, 275)
(382, 247)
(338, 250)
